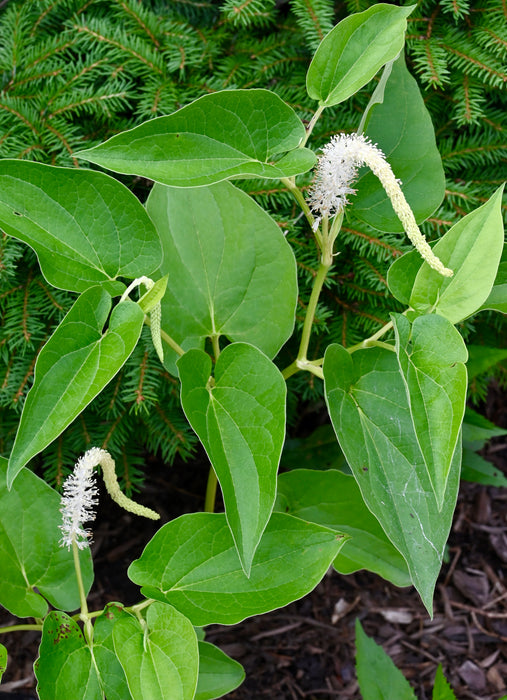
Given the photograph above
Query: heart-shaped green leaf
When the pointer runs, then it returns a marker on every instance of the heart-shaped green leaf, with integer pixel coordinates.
(231, 271)
(401, 126)
(239, 417)
(228, 134)
(431, 354)
(76, 363)
(333, 499)
(32, 562)
(218, 673)
(192, 563)
(472, 248)
(354, 51)
(160, 662)
(65, 667)
(368, 405)
(497, 299)
(85, 227)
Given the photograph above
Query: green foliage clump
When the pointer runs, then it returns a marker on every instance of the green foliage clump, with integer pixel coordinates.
(74, 72)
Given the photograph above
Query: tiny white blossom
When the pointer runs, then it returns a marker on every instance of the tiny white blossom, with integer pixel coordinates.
(337, 170)
(79, 499)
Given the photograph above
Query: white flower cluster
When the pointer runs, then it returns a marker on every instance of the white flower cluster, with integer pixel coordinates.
(337, 170)
(79, 499)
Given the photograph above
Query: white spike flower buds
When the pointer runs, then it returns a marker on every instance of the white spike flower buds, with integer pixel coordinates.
(337, 170)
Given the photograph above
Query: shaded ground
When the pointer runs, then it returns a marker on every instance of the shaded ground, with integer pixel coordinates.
(306, 650)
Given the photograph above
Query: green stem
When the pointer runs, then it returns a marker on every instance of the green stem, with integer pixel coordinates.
(310, 311)
(88, 627)
(311, 125)
(20, 628)
(211, 492)
(372, 341)
(300, 199)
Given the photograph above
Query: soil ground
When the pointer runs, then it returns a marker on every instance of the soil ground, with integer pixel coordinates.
(306, 650)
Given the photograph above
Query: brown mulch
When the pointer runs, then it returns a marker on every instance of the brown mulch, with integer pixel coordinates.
(306, 650)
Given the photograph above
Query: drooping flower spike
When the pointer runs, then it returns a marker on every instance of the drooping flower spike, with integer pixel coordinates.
(337, 170)
(80, 497)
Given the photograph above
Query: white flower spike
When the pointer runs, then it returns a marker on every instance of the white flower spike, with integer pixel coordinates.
(79, 497)
(337, 170)
(78, 500)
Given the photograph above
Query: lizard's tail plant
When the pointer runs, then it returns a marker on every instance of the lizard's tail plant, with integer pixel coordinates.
(221, 299)
(338, 169)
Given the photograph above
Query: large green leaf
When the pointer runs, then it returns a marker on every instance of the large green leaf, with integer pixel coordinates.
(228, 134)
(192, 563)
(239, 417)
(378, 677)
(76, 363)
(32, 562)
(354, 51)
(65, 667)
(230, 269)
(401, 126)
(333, 499)
(160, 662)
(218, 673)
(368, 405)
(472, 248)
(85, 227)
(431, 354)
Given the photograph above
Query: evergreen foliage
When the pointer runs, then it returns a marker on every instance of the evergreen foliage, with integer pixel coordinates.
(73, 72)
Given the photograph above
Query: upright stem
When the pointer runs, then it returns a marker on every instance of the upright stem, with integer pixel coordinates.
(211, 492)
(88, 628)
(211, 486)
(310, 311)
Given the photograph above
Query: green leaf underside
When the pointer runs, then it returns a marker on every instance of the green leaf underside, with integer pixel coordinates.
(231, 271)
(333, 499)
(368, 405)
(161, 663)
(85, 227)
(378, 677)
(472, 248)
(65, 667)
(227, 134)
(402, 128)
(30, 553)
(218, 673)
(192, 563)
(431, 355)
(354, 51)
(73, 367)
(241, 423)
(112, 676)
